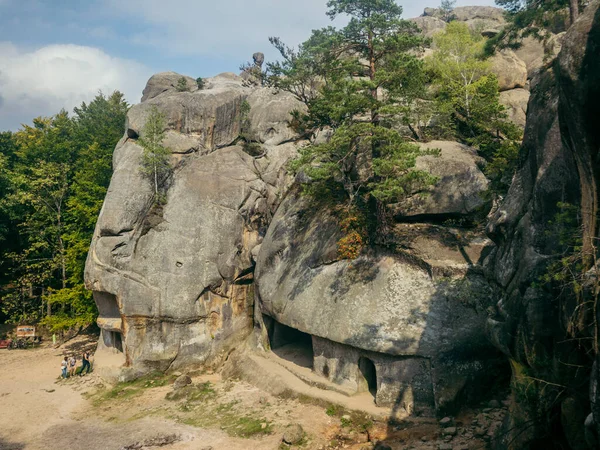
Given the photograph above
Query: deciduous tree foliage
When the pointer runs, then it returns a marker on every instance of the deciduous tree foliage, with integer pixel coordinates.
(53, 179)
(156, 157)
(467, 101)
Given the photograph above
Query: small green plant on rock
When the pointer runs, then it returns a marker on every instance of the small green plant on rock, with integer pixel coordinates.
(182, 85)
(200, 82)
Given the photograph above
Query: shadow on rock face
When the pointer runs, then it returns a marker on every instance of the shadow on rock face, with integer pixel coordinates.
(407, 325)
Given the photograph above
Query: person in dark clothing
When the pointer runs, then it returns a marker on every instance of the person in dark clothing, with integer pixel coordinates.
(85, 359)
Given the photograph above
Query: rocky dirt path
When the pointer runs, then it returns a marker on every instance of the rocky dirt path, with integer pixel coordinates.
(39, 412)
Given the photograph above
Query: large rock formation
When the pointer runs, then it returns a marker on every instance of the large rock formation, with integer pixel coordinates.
(173, 282)
(181, 282)
(546, 330)
(416, 315)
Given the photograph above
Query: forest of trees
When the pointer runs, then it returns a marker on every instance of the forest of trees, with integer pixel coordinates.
(54, 175)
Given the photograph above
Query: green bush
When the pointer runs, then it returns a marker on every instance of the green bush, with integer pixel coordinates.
(182, 85)
(200, 82)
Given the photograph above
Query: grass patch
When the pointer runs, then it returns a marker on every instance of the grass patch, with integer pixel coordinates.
(232, 422)
(193, 393)
(130, 389)
(334, 410)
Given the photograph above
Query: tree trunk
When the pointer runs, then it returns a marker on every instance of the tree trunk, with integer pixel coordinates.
(48, 305)
(155, 181)
(372, 73)
(574, 10)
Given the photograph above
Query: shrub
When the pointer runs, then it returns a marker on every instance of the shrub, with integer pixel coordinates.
(200, 82)
(182, 85)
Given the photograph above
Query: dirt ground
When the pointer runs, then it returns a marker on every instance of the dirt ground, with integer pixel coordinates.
(40, 411)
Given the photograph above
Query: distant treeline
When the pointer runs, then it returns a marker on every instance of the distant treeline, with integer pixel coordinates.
(53, 178)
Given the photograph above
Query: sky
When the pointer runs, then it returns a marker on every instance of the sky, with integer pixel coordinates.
(55, 54)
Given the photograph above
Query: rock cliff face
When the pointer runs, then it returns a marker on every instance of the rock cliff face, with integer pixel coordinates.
(173, 283)
(235, 247)
(547, 331)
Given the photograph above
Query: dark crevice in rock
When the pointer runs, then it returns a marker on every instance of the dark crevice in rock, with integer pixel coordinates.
(168, 319)
(132, 134)
(109, 233)
(468, 220)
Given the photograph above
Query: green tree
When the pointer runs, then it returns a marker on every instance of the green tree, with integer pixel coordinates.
(53, 179)
(447, 8)
(182, 85)
(459, 70)
(468, 101)
(156, 158)
(355, 81)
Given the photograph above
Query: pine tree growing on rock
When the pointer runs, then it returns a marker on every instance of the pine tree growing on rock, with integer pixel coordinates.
(358, 81)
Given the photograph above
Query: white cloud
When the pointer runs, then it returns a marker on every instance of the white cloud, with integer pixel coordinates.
(223, 28)
(42, 81)
(230, 28)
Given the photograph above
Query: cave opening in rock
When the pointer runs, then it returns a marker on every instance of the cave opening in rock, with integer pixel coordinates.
(108, 306)
(368, 376)
(291, 344)
(113, 339)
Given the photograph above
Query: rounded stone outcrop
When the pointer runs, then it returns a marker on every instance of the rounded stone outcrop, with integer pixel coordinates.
(270, 116)
(206, 119)
(515, 101)
(460, 185)
(510, 70)
(166, 82)
(424, 332)
(429, 25)
(172, 278)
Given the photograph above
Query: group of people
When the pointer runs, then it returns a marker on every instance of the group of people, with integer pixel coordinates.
(68, 365)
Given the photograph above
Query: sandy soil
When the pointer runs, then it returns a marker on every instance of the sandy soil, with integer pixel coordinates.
(40, 411)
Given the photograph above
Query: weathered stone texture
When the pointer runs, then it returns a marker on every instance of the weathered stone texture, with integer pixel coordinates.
(459, 187)
(535, 320)
(382, 303)
(173, 281)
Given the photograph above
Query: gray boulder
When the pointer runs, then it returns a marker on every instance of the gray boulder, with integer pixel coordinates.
(536, 54)
(208, 118)
(388, 308)
(465, 13)
(510, 70)
(429, 25)
(293, 434)
(181, 382)
(478, 18)
(460, 185)
(515, 101)
(166, 82)
(258, 58)
(270, 116)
